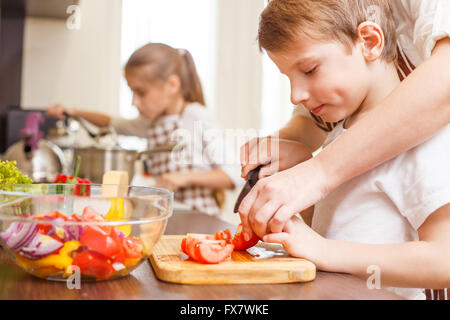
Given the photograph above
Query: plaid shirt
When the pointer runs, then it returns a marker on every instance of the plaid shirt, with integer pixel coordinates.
(163, 132)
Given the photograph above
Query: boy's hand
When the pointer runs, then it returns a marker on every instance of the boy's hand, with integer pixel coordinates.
(173, 181)
(277, 154)
(299, 240)
(274, 200)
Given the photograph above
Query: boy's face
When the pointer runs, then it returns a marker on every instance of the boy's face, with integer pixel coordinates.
(325, 77)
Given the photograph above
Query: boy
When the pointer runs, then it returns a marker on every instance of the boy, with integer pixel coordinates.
(339, 57)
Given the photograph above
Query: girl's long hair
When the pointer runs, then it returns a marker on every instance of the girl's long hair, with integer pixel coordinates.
(166, 61)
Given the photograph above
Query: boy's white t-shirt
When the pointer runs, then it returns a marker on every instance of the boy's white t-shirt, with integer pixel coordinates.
(389, 203)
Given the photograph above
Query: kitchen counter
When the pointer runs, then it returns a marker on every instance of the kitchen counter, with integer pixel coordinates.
(142, 283)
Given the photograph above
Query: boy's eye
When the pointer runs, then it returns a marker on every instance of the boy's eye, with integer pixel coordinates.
(311, 71)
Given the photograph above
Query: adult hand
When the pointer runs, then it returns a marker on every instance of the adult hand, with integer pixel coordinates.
(273, 153)
(57, 111)
(275, 199)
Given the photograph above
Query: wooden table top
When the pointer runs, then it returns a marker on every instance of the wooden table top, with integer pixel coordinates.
(142, 284)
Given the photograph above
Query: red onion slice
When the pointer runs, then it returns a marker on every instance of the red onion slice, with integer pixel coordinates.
(40, 247)
(20, 234)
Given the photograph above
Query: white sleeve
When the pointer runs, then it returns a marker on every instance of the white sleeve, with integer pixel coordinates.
(419, 179)
(432, 23)
(134, 127)
(217, 149)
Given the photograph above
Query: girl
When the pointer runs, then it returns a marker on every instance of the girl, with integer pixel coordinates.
(168, 94)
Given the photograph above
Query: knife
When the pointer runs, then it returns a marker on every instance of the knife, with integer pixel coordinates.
(252, 179)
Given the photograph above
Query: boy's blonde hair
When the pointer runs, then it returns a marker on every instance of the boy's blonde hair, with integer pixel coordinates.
(283, 21)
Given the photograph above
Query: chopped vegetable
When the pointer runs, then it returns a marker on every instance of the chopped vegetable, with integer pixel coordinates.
(240, 244)
(82, 187)
(50, 247)
(40, 247)
(210, 248)
(10, 174)
(19, 234)
(117, 213)
(206, 248)
(92, 263)
(213, 251)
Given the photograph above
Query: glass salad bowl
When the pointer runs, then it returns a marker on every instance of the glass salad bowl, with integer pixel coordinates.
(101, 232)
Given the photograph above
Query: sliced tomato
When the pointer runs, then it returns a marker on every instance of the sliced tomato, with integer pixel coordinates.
(224, 235)
(190, 245)
(52, 215)
(212, 251)
(183, 245)
(74, 217)
(202, 236)
(104, 241)
(132, 247)
(44, 228)
(90, 214)
(93, 264)
(239, 242)
(49, 216)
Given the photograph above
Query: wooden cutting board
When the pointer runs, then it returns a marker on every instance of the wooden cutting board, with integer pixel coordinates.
(264, 263)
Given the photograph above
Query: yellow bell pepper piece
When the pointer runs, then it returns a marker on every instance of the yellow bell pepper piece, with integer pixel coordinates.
(62, 260)
(117, 213)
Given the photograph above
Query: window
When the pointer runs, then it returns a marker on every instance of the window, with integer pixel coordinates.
(276, 107)
(178, 23)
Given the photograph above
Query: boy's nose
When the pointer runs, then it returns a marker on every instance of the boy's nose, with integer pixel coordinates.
(135, 101)
(299, 95)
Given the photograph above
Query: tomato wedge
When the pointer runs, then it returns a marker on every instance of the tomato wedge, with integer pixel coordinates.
(132, 247)
(104, 241)
(212, 251)
(239, 242)
(183, 246)
(201, 236)
(92, 263)
(224, 235)
(90, 214)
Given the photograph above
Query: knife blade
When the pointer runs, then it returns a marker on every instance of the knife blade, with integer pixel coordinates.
(252, 179)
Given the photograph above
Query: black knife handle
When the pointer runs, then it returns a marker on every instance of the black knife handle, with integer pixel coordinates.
(252, 179)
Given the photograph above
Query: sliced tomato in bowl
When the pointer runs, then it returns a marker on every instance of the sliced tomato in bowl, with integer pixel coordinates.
(240, 243)
(94, 264)
(132, 247)
(104, 241)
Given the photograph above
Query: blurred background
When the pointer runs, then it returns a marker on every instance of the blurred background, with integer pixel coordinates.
(73, 52)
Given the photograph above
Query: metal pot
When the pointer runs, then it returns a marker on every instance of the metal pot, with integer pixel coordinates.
(95, 161)
(41, 164)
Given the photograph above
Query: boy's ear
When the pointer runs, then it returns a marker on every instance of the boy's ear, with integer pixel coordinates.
(371, 36)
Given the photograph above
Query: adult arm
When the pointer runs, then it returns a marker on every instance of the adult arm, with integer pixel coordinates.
(415, 111)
